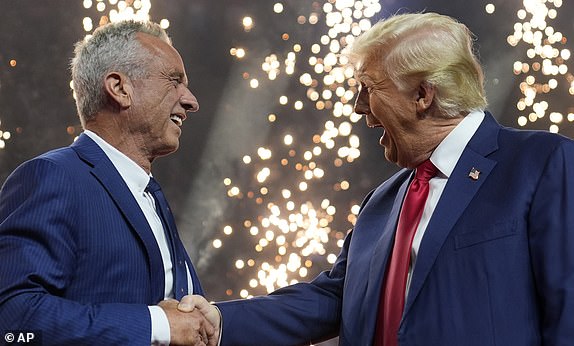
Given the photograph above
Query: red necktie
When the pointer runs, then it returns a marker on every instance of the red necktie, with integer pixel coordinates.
(392, 300)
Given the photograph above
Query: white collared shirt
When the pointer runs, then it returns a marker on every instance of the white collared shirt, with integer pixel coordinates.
(445, 158)
(137, 179)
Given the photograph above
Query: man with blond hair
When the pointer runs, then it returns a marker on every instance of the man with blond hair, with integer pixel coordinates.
(469, 244)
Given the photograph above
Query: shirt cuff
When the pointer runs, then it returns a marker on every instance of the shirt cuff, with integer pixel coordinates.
(160, 334)
(220, 324)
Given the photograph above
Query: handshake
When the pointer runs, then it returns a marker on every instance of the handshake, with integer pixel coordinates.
(192, 321)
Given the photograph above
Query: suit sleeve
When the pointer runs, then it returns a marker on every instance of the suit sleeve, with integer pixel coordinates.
(551, 234)
(299, 314)
(294, 315)
(38, 256)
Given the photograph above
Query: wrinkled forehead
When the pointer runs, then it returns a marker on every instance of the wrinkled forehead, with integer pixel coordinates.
(370, 67)
(364, 67)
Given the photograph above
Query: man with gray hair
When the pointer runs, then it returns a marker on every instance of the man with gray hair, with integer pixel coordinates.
(471, 243)
(88, 246)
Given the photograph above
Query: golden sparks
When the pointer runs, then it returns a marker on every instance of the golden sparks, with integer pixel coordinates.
(545, 66)
(293, 225)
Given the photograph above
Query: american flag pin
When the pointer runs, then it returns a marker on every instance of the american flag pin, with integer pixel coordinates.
(474, 173)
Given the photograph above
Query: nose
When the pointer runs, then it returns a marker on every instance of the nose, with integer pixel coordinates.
(362, 102)
(188, 101)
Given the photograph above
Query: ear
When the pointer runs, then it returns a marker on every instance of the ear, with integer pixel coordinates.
(424, 97)
(119, 88)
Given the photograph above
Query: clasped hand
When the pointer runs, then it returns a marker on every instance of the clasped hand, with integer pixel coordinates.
(192, 321)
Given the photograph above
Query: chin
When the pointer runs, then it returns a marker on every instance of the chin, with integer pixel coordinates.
(399, 162)
(391, 155)
(390, 158)
(171, 148)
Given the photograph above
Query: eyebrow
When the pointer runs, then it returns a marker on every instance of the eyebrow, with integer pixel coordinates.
(180, 76)
(363, 77)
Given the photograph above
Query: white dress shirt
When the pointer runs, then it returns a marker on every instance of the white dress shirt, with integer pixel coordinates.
(137, 179)
(445, 158)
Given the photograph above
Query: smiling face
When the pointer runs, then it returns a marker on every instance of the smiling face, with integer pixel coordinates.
(384, 106)
(160, 101)
(411, 131)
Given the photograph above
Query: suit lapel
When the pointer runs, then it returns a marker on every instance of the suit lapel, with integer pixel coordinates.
(387, 235)
(375, 230)
(459, 191)
(108, 176)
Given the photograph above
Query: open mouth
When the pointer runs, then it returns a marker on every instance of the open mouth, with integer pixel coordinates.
(177, 119)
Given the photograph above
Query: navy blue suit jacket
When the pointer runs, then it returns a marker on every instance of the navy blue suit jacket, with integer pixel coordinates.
(78, 260)
(495, 266)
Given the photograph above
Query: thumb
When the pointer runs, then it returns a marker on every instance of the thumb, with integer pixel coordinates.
(191, 302)
(186, 304)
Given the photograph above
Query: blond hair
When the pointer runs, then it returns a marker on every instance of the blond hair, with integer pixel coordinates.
(427, 47)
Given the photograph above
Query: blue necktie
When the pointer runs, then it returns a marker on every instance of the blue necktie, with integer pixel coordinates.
(176, 248)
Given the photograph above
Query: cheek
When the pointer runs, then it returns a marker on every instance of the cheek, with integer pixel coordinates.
(165, 104)
(170, 99)
(382, 102)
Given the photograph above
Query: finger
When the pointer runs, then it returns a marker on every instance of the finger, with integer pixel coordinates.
(213, 341)
(186, 304)
(208, 328)
(167, 302)
(197, 340)
(204, 336)
(211, 313)
(201, 303)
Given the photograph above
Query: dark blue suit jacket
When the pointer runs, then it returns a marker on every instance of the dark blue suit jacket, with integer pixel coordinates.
(495, 266)
(78, 260)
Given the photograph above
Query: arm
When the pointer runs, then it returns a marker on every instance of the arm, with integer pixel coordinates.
(38, 231)
(294, 315)
(551, 233)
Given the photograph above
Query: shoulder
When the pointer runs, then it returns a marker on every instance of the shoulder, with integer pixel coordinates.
(534, 155)
(387, 189)
(533, 139)
(50, 170)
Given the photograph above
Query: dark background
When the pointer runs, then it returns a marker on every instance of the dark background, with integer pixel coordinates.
(37, 108)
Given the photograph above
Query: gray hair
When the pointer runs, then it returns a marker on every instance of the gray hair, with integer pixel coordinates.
(112, 47)
(417, 47)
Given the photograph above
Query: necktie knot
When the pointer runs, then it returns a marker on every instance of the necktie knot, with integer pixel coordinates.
(425, 171)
